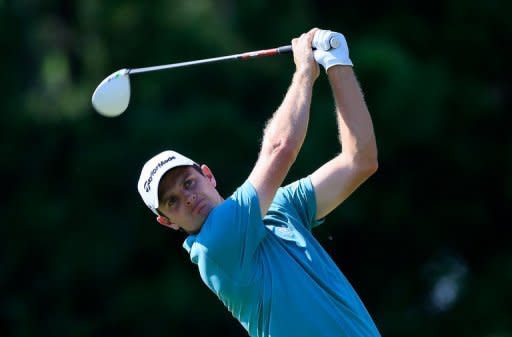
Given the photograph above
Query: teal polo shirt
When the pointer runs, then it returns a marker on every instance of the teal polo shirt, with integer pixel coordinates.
(271, 273)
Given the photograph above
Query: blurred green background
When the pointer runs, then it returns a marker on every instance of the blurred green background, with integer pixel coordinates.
(426, 241)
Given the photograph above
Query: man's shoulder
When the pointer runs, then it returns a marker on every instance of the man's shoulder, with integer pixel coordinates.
(300, 188)
(245, 188)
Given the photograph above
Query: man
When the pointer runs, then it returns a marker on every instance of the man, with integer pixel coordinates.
(255, 249)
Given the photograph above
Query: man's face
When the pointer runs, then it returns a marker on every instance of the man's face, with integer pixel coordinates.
(186, 197)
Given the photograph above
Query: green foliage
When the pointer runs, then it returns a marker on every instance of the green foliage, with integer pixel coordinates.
(82, 256)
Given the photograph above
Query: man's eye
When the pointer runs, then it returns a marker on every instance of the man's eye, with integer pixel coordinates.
(171, 201)
(188, 183)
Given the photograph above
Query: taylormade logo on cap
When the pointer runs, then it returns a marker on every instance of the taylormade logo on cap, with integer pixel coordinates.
(147, 184)
(152, 173)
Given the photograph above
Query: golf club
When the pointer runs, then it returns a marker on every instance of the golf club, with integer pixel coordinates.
(112, 96)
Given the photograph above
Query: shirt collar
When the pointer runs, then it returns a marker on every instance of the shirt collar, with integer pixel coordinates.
(189, 241)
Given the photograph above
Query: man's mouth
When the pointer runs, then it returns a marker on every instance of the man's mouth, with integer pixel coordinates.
(199, 207)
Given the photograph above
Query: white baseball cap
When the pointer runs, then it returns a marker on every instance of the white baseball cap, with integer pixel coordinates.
(153, 171)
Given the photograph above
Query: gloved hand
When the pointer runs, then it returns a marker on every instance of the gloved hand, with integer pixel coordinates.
(325, 54)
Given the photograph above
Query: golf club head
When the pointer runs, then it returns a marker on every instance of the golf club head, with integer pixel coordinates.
(112, 95)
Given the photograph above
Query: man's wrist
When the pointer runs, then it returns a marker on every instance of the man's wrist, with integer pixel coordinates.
(304, 76)
(339, 69)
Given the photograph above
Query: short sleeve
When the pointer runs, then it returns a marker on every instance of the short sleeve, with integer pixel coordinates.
(300, 197)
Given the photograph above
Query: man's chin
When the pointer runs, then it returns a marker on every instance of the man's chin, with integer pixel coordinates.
(202, 215)
(194, 232)
(197, 228)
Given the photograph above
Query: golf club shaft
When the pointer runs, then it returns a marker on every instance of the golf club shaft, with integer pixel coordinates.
(242, 56)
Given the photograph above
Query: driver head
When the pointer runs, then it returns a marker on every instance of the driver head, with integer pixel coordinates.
(112, 95)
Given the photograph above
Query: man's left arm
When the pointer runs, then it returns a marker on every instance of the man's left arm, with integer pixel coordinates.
(338, 178)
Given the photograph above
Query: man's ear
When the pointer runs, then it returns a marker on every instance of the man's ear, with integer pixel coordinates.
(208, 174)
(164, 221)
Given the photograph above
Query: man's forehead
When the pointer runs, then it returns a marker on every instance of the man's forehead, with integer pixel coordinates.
(172, 177)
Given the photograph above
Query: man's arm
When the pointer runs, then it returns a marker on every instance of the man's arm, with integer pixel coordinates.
(285, 132)
(338, 178)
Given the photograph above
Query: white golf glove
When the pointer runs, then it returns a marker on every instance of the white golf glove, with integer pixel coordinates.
(331, 49)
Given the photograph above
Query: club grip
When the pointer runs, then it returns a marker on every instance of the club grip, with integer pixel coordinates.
(334, 42)
(284, 49)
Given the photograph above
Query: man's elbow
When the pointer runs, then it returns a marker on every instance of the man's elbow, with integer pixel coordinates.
(372, 167)
(287, 151)
(367, 166)
(282, 151)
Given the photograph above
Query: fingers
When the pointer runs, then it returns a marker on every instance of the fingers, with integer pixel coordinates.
(302, 43)
(300, 47)
(303, 53)
(297, 40)
(313, 31)
(306, 38)
(311, 35)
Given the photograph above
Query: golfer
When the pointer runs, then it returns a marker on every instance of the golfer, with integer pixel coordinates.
(254, 249)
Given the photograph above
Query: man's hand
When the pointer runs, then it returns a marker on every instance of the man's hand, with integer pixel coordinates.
(303, 55)
(327, 56)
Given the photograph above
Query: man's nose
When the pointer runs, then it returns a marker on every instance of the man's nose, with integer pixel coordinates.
(190, 198)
